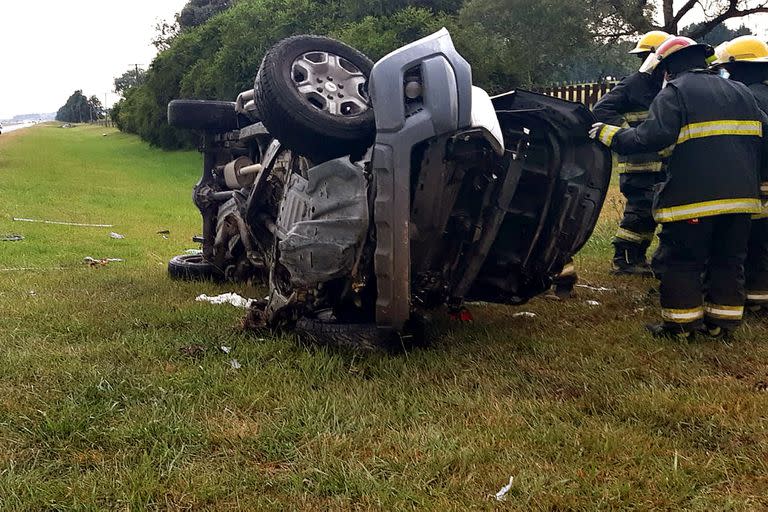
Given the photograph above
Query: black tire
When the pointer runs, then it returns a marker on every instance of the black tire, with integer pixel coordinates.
(293, 119)
(358, 337)
(204, 115)
(192, 267)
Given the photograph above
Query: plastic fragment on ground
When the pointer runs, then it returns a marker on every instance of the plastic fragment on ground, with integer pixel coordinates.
(226, 298)
(62, 223)
(502, 494)
(595, 288)
(101, 262)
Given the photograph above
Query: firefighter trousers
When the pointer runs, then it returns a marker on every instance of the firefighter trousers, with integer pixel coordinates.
(757, 264)
(637, 226)
(701, 266)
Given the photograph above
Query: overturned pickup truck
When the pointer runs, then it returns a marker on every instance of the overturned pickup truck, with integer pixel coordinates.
(365, 195)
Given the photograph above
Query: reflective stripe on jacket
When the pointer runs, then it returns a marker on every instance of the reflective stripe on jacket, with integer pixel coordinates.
(627, 105)
(713, 131)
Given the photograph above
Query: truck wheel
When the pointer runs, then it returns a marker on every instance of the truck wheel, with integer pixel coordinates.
(359, 337)
(362, 337)
(204, 115)
(312, 95)
(192, 267)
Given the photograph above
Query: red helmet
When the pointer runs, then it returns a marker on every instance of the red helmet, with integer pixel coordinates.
(665, 49)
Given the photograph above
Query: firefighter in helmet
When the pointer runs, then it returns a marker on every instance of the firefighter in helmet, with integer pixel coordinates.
(745, 59)
(712, 131)
(627, 105)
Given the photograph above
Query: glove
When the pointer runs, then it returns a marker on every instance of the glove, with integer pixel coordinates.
(595, 130)
(603, 133)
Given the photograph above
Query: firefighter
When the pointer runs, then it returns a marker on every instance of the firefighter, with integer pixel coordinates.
(627, 105)
(712, 131)
(745, 60)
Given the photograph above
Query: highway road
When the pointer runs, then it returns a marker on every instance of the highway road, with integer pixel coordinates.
(13, 127)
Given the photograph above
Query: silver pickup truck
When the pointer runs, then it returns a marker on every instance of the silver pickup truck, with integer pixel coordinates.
(364, 195)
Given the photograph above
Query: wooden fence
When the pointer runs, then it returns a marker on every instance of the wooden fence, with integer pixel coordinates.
(588, 94)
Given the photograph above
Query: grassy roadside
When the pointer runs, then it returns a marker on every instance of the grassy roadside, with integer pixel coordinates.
(99, 409)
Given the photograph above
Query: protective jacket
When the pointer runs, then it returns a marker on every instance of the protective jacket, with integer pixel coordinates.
(627, 105)
(760, 90)
(712, 130)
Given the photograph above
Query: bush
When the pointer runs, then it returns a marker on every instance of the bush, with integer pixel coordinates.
(508, 42)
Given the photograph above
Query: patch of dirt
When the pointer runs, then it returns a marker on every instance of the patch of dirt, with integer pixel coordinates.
(194, 351)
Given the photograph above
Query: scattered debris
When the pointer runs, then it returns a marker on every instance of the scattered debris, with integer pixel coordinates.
(30, 269)
(524, 314)
(226, 350)
(461, 315)
(502, 494)
(761, 386)
(62, 223)
(116, 236)
(193, 252)
(193, 350)
(235, 364)
(67, 125)
(32, 293)
(593, 303)
(226, 298)
(102, 262)
(11, 238)
(165, 233)
(595, 288)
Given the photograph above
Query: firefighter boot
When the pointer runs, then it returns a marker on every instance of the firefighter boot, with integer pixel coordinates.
(629, 260)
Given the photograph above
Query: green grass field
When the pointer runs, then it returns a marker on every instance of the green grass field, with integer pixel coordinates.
(100, 409)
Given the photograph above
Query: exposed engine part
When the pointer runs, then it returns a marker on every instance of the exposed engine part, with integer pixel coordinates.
(244, 103)
(241, 173)
(323, 222)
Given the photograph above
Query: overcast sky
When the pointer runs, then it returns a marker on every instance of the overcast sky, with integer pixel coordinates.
(50, 48)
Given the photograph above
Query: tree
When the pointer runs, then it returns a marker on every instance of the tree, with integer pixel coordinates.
(131, 78)
(197, 12)
(96, 107)
(516, 42)
(79, 109)
(719, 34)
(194, 14)
(165, 33)
(715, 12)
(629, 18)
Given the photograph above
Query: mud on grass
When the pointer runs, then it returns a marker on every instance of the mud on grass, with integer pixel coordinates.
(101, 409)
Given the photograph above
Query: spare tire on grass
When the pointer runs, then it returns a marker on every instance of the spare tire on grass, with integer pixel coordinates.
(192, 267)
(312, 95)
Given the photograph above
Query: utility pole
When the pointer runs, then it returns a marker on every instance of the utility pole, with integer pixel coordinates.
(136, 67)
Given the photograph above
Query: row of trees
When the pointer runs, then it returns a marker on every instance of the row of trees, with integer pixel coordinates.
(213, 48)
(80, 109)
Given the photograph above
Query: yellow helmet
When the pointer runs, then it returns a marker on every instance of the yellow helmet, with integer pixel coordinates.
(742, 49)
(650, 41)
